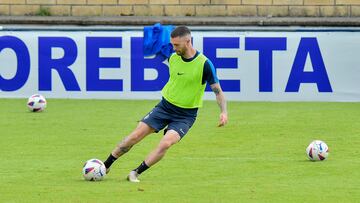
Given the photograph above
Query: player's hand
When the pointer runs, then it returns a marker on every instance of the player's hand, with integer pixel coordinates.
(223, 119)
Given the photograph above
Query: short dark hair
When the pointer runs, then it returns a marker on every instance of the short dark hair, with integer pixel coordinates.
(180, 31)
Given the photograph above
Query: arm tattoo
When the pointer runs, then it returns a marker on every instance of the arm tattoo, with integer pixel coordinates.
(216, 90)
(219, 97)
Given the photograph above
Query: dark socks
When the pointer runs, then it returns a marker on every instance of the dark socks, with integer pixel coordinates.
(141, 168)
(110, 160)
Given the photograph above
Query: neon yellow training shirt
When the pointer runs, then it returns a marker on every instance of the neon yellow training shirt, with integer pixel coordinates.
(184, 88)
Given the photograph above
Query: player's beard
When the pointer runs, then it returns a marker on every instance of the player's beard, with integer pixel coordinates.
(180, 52)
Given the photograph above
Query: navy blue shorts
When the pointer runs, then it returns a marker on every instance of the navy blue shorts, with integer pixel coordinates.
(175, 118)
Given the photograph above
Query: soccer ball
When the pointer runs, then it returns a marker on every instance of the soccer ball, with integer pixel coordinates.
(317, 150)
(94, 170)
(36, 103)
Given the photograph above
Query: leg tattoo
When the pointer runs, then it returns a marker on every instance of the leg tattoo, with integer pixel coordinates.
(121, 149)
(125, 149)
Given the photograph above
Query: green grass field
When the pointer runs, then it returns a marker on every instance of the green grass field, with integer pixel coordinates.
(258, 157)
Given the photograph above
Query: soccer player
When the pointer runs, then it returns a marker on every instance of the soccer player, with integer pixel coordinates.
(190, 71)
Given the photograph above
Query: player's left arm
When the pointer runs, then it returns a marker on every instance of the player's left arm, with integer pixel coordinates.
(209, 76)
(220, 98)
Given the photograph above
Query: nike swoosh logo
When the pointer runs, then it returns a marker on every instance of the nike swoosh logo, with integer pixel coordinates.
(180, 73)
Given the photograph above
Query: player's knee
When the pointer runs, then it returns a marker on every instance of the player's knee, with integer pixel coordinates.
(164, 145)
(131, 140)
(135, 138)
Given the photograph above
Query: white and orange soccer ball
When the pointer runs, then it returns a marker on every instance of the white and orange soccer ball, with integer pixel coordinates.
(36, 103)
(317, 151)
(94, 170)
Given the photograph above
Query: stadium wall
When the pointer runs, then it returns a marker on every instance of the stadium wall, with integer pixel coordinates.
(252, 63)
(265, 8)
